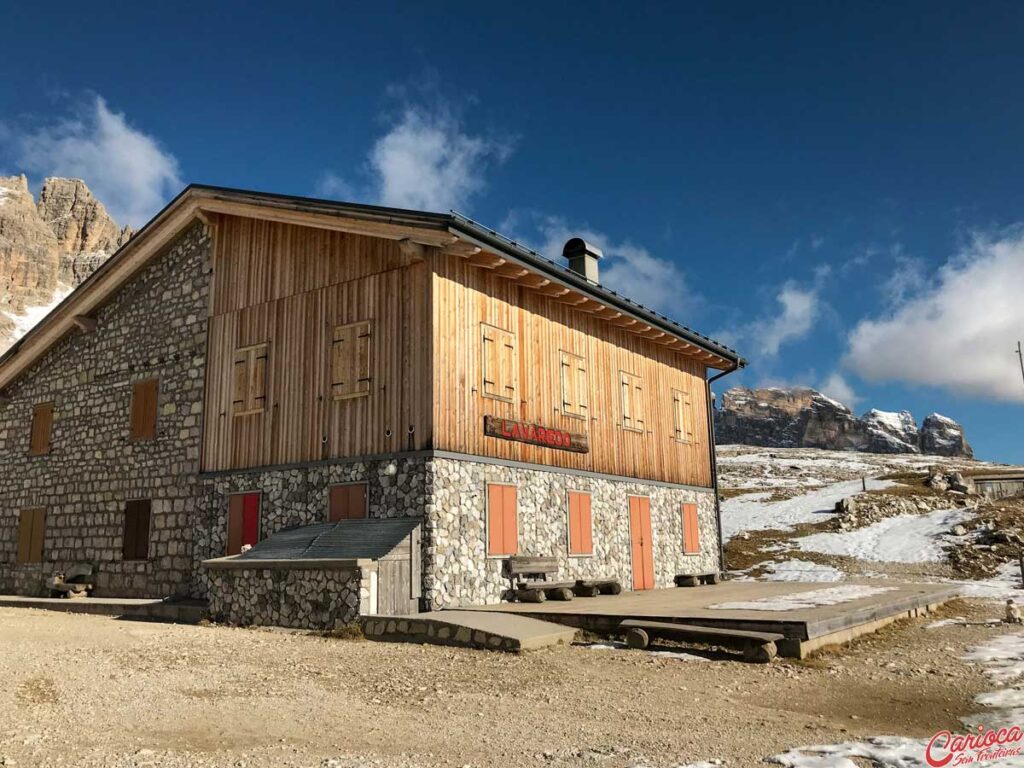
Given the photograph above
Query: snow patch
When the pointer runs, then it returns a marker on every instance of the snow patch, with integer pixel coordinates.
(884, 751)
(751, 511)
(900, 539)
(803, 600)
(23, 323)
(800, 570)
(616, 646)
(1006, 583)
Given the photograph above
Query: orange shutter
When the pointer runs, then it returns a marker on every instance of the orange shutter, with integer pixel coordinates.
(580, 524)
(502, 520)
(691, 530)
(347, 502)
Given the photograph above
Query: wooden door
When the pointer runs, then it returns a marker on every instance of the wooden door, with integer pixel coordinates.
(502, 520)
(347, 502)
(642, 542)
(243, 521)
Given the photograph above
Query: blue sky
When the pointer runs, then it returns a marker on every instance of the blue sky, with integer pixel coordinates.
(833, 188)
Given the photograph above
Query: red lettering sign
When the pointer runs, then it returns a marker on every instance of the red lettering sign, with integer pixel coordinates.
(535, 434)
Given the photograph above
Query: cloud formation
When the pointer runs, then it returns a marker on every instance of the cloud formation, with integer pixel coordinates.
(626, 268)
(426, 160)
(838, 388)
(957, 331)
(799, 308)
(125, 168)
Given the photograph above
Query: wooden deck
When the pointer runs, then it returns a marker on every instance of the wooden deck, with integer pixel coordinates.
(806, 628)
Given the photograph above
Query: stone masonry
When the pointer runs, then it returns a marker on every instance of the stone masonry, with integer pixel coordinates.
(451, 495)
(302, 598)
(155, 326)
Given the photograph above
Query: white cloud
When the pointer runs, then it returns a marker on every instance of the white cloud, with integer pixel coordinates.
(426, 160)
(799, 308)
(838, 388)
(125, 168)
(960, 332)
(626, 268)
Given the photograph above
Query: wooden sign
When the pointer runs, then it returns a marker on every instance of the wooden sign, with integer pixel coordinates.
(534, 434)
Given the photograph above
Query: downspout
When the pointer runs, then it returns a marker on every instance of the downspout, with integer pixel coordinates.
(714, 460)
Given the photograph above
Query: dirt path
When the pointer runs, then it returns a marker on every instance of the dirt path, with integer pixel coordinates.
(89, 691)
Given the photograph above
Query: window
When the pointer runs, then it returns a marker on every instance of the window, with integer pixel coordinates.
(682, 416)
(350, 360)
(580, 524)
(243, 521)
(573, 372)
(502, 520)
(135, 544)
(42, 427)
(144, 407)
(498, 361)
(31, 529)
(347, 502)
(691, 530)
(249, 390)
(631, 394)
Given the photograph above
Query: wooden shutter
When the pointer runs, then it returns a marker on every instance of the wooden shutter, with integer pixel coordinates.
(498, 363)
(502, 520)
(350, 360)
(347, 502)
(682, 416)
(31, 532)
(249, 380)
(631, 394)
(573, 375)
(580, 524)
(243, 521)
(42, 426)
(691, 530)
(145, 396)
(137, 514)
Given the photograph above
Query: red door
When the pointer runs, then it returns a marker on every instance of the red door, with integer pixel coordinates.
(243, 521)
(640, 536)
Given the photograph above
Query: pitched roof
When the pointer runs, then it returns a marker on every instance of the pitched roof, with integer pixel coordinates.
(416, 227)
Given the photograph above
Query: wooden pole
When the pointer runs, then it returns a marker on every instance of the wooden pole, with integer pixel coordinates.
(1020, 356)
(864, 482)
(1020, 562)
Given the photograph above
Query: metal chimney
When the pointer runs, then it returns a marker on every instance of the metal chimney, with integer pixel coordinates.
(583, 258)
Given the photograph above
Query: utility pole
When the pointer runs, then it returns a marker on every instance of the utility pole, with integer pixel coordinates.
(1020, 356)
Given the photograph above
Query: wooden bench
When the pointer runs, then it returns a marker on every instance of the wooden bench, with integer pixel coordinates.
(529, 579)
(696, 579)
(78, 581)
(757, 647)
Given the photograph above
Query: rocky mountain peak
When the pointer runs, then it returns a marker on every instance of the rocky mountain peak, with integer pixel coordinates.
(47, 249)
(800, 417)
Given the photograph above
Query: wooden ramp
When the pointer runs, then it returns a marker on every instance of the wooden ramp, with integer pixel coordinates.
(469, 629)
(753, 606)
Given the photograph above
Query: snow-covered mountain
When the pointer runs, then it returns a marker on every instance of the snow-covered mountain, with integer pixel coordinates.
(48, 248)
(799, 417)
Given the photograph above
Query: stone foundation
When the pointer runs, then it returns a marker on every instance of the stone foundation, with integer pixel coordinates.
(301, 598)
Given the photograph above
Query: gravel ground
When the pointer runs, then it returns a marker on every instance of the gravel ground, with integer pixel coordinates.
(89, 691)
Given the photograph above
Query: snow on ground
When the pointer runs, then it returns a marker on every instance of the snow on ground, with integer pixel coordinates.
(799, 570)
(901, 539)
(752, 511)
(1005, 584)
(617, 646)
(801, 600)
(884, 751)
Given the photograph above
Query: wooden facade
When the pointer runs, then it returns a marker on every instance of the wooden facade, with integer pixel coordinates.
(434, 343)
(288, 290)
(547, 336)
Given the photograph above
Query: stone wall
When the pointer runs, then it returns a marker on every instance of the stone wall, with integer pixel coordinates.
(155, 326)
(460, 573)
(302, 598)
(299, 496)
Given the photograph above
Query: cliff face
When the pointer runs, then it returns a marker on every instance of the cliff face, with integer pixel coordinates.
(47, 249)
(803, 418)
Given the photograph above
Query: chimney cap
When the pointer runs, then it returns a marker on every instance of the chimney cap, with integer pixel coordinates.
(577, 246)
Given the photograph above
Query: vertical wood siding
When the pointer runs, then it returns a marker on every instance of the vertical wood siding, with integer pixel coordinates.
(289, 287)
(466, 296)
